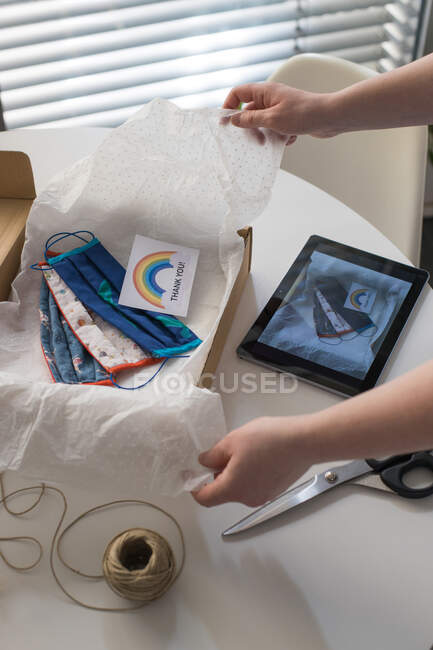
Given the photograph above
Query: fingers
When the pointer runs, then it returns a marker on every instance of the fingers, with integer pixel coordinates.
(240, 94)
(215, 493)
(215, 458)
(252, 96)
(250, 119)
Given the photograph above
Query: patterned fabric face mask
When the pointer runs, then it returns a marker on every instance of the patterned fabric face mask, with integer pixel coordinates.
(68, 360)
(334, 322)
(95, 278)
(106, 344)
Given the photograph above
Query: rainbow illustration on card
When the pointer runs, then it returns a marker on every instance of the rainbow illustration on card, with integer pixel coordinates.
(358, 298)
(144, 276)
(159, 276)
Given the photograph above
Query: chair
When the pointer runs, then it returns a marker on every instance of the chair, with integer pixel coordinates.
(379, 174)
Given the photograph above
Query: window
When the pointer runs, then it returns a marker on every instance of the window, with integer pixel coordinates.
(95, 62)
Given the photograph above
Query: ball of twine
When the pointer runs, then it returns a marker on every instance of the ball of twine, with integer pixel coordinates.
(139, 564)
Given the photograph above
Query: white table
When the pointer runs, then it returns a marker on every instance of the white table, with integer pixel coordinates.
(351, 571)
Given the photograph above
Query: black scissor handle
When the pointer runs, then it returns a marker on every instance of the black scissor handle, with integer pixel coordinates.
(393, 470)
(379, 465)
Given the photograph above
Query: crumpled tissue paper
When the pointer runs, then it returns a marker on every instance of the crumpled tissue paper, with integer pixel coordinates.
(184, 176)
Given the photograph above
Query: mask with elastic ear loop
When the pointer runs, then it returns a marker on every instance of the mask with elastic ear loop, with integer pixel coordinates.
(85, 337)
(96, 278)
(111, 349)
(335, 323)
(67, 359)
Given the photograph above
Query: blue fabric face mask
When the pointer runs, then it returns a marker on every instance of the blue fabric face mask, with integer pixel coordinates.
(96, 278)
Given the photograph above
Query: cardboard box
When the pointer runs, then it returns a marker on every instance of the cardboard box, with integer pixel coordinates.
(229, 312)
(17, 192)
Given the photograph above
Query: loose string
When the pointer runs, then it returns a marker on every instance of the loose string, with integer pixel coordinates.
(177, 356)
(17, 513)
(99, 576)
(57, 539)
(141, 385)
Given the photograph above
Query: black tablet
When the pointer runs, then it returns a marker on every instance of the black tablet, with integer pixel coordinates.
(335, 317)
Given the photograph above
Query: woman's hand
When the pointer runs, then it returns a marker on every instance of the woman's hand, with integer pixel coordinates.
(283, 109)
(256, 462)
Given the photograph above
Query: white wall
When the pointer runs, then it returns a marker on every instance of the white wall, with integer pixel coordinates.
(429, 174)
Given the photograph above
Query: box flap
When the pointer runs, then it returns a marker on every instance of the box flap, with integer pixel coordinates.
(16, 176)
(17, 191)
(229, 311)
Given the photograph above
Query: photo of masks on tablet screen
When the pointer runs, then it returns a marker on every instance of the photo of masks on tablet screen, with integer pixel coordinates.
(336, 314)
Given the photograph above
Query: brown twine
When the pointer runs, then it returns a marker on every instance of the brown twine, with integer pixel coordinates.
(138, 564)
(18, 513)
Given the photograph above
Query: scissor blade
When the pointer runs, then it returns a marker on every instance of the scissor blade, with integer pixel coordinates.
(300, 494)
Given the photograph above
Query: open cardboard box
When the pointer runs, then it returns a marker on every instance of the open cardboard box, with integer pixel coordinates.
(17, 192)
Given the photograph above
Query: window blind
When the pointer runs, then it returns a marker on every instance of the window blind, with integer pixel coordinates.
(95, 62)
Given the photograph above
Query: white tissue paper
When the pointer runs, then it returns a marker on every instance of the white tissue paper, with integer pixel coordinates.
(184, 176)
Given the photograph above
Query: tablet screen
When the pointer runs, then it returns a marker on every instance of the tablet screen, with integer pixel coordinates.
(335, 316)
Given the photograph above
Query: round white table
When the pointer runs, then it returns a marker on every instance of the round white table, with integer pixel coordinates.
(349, 571)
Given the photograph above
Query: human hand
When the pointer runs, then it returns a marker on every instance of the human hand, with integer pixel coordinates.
(283, 109)
(256, 462)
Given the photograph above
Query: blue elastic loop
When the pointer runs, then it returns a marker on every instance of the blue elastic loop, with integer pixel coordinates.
(180, 356)
(53, 236)
(68, 234)
(142, 385)
(50, 243)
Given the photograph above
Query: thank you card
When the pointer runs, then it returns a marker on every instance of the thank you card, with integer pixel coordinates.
(360, 297)
(159, 276)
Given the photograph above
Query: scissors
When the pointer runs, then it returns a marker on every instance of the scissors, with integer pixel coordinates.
(385, 474)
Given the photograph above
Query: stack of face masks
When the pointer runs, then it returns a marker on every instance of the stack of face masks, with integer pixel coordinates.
(86, 335)
(334, 322)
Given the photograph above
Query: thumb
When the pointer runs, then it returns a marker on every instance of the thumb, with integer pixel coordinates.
(215, 493)
(215, 458)
(250, 119)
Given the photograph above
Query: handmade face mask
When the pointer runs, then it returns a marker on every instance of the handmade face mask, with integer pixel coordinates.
(334, 322)
(96, 278)
(67, 359)
(112, 349)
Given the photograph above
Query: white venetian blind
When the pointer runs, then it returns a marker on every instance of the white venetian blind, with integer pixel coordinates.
(95, 62)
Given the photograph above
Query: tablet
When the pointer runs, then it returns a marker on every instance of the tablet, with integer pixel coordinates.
(335, 317)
